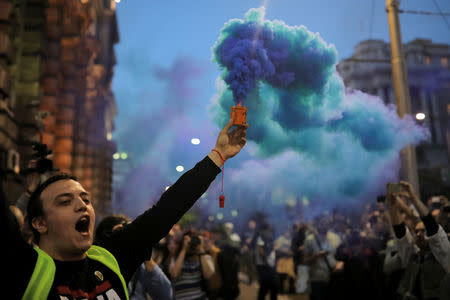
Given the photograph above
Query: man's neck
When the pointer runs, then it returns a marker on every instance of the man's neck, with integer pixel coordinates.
(59, 255)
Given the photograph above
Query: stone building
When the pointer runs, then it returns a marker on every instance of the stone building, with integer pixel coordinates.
(56, 66)
(369, 69)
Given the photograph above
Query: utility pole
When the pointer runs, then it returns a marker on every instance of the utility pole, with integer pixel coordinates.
(408, 170)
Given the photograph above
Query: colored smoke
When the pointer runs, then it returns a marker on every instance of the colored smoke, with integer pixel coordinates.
(157, 133)
(309, 137)
(253, 50)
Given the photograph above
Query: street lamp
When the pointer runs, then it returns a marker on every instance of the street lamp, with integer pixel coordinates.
(195, 141)
(420, 116)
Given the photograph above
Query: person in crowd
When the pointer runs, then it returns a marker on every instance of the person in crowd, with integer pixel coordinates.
(61, 215)
(192, 268)
(248, 251)
(444, 219)
(232, 237)
(267, 232)
(228, 263)
(354, 281)
(284, 263)
(148, 278)
(175, 233)
(434, 205)
(376, 244)
(215, 282)
(297, 247)
(168, 253)
(319, 251)
(297, 242)
(265, 266)
(424, 254)
(439, 207)
(392, 266)
(392, 269)
(227, 268)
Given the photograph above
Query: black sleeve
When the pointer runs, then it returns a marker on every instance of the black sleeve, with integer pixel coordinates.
(133, 244)
(431, 225)
(400, 230)
(19, 253)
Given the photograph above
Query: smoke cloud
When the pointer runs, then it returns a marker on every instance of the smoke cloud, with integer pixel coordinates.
(158, 136)
(313, 143)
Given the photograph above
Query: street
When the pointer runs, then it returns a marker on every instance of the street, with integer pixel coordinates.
(250, 292)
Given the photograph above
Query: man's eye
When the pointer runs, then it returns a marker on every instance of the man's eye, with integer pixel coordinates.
(86, 200)
(65, 202)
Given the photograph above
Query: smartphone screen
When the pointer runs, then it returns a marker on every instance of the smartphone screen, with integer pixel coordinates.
(394, 188)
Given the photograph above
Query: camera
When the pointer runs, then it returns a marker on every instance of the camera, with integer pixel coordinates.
(43, 164)
(195, 241)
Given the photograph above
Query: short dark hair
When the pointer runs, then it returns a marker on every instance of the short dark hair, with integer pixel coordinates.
(105, 227)
(35, 207)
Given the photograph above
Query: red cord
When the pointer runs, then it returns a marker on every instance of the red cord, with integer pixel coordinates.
(221, 197)
(221, 157)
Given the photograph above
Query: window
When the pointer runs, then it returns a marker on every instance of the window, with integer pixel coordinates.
(427, 60)
(444, 62)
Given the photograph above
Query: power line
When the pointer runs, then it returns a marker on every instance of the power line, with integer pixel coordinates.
(442, 14)
(421, 12)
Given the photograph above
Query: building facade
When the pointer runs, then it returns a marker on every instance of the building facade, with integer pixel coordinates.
(369, 70)
(56, 65)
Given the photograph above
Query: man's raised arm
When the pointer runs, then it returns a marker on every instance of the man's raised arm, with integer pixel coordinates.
(138, 238)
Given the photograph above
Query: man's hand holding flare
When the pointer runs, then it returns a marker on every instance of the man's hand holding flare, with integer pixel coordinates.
(229, 143)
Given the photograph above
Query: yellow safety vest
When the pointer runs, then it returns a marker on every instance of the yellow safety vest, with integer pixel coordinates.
(44, 272)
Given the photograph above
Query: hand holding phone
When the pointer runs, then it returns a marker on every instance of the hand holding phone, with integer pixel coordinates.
(393, 188)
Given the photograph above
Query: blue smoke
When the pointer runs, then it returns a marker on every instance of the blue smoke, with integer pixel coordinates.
(309, 138)
(252, 51)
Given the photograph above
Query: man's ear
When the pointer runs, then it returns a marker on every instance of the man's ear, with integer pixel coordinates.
(39, 224)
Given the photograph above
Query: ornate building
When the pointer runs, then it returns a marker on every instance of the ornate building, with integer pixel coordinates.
(369, 69)
(56, 66)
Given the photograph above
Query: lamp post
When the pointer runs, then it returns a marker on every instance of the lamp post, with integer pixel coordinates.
(408, 170)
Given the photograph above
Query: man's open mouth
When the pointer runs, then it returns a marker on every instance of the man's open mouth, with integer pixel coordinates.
(82, 224)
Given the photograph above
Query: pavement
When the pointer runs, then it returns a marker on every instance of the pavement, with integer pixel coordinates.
(250, 292)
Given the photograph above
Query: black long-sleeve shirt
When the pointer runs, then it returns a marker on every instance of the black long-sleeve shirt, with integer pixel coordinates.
(430, 223)
(130, 245)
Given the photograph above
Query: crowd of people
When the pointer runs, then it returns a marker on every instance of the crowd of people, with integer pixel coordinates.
(398, 248)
